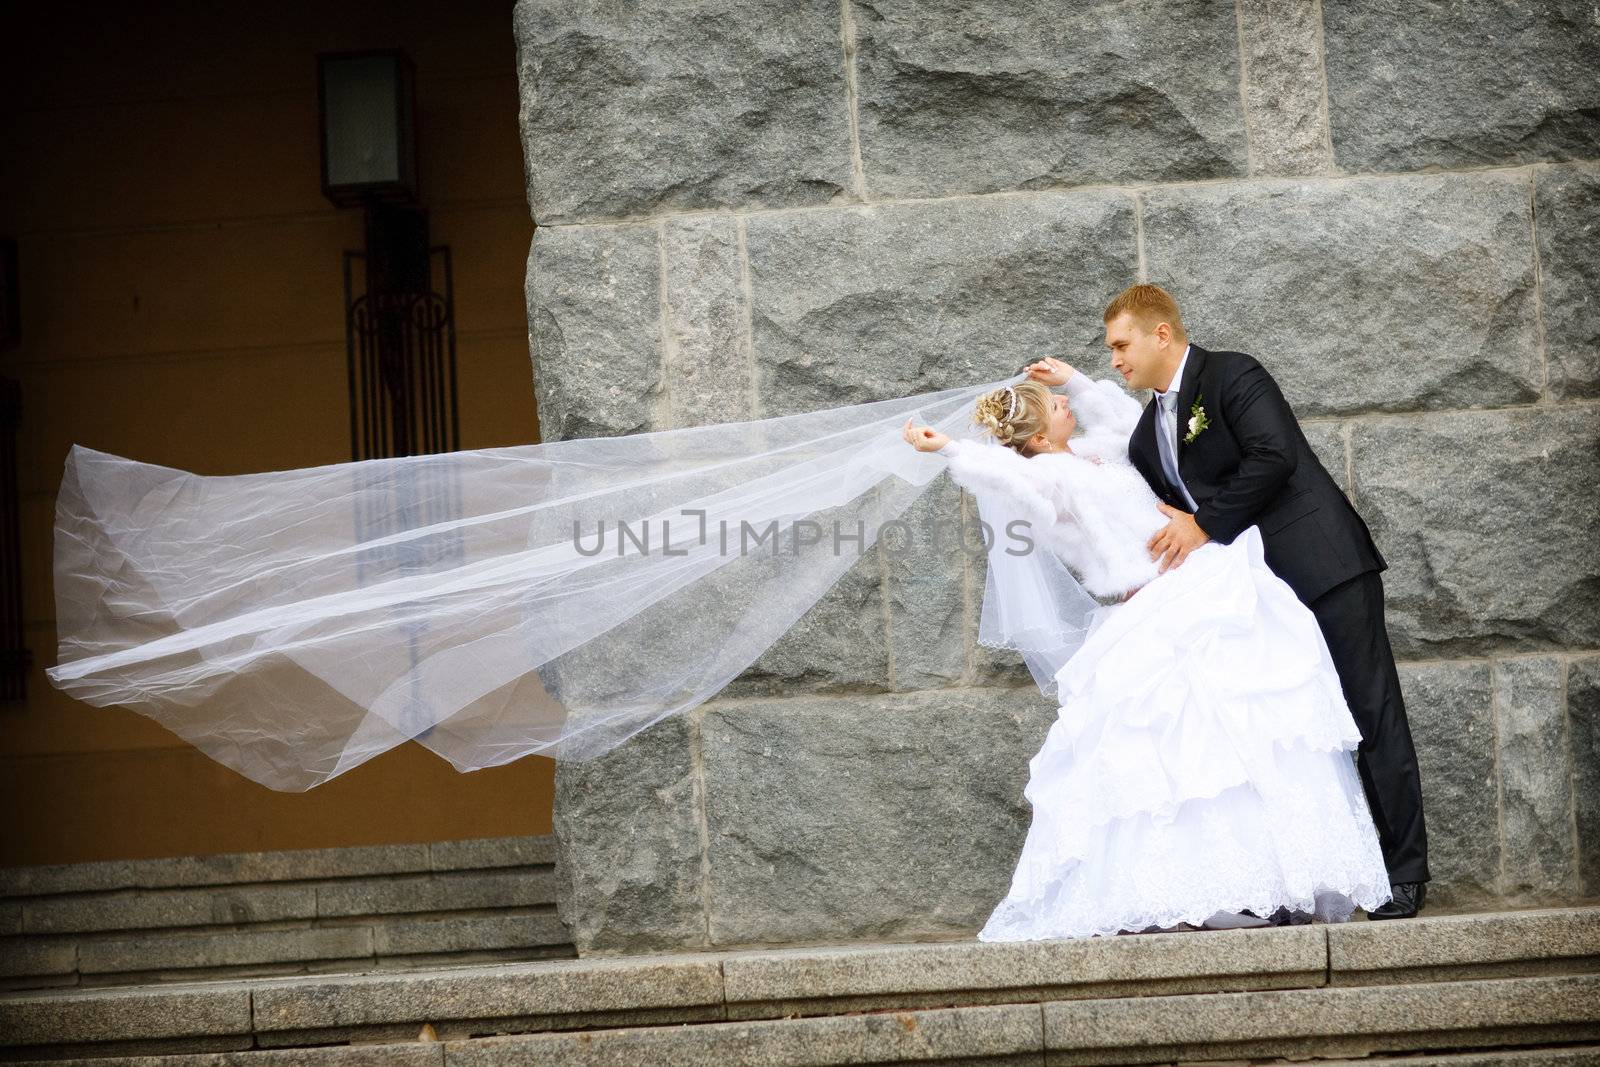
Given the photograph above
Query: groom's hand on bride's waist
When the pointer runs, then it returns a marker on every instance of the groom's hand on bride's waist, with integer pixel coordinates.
(1172, 543)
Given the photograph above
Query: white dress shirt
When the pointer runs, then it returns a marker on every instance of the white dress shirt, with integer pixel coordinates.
(1167, 430)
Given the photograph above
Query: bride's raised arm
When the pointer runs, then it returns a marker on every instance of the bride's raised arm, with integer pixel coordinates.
(1102, 407)
(981, 467)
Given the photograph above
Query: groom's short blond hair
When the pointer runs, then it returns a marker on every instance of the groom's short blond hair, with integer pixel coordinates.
(1150, 306)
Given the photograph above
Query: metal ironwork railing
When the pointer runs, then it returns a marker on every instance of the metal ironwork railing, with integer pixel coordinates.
(401, 349)
(401, 362)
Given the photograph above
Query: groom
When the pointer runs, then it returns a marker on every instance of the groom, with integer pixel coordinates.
(1220, 446)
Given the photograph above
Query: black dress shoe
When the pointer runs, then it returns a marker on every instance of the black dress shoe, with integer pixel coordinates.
(1407, 901)
(1178, 929)
(1284, 917)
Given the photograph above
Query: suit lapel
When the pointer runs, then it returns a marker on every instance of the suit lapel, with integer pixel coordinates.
(1142, 449)
(1188, 392)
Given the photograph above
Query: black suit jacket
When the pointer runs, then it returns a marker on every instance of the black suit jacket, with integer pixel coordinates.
(1252, 466)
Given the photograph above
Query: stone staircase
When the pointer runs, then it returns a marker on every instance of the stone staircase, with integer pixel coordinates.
(1466, 990)
(252, 914)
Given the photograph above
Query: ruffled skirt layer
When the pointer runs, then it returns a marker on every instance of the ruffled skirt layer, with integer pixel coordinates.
(1202, 761)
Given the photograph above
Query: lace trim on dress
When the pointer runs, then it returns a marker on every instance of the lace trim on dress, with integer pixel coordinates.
(1055, 895)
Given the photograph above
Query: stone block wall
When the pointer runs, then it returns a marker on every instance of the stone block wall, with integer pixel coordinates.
(753, 207)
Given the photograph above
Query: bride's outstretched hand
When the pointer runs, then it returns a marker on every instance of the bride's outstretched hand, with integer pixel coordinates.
(924, 438)
(1049, 371)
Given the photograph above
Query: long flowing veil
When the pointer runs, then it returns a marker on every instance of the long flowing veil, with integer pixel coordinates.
(552, 598)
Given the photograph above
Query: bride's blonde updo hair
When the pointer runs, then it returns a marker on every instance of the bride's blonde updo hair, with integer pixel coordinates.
(1029, 407)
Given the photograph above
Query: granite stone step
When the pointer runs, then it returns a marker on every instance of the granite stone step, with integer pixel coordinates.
(1317, 991)
(1012, 1034)
(1348, 1022)
(382, 942)
(922, 1037)
(1527, 1022)
(295, 865)
(252, 914)
(153, 909)
(845, 1040)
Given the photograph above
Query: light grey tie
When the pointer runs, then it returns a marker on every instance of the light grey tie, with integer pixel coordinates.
(1169, 458)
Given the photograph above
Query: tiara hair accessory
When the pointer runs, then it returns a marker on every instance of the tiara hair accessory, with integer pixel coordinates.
(1011, 408)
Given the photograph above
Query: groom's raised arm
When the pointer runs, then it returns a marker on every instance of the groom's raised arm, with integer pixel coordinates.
(1264, 426)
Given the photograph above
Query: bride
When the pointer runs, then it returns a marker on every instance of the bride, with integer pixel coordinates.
(1199, 772)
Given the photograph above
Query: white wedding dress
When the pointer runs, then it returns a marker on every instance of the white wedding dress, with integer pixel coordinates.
(1201, 761)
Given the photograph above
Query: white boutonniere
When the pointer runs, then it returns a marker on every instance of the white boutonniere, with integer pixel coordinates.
(1197, 422)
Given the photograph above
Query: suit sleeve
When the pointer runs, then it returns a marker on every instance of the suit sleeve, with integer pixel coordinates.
(1262, 423)
(994, 469)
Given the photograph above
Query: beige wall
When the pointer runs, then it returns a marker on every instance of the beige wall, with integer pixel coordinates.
(182, 305)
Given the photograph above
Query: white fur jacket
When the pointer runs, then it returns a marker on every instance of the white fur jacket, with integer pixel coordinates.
(1089, 505)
